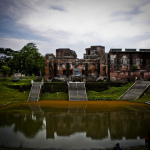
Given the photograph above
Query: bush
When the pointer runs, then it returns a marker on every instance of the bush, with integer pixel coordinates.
(20, 87)
(57, 87)
(90, 86)
(102, 86)
(5, 70)
(113, 93)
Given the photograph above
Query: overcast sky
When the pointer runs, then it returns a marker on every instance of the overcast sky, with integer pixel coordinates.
(75, 24)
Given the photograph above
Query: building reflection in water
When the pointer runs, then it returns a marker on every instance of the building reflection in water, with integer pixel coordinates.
(119, 125)
(128, 125)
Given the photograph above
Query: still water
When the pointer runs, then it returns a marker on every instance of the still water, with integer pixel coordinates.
(70, 125)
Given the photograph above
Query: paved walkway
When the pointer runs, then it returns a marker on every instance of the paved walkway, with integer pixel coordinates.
(77, 91)
(136, 90)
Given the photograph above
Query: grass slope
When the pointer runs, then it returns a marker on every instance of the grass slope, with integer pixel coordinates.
(111, 94)
(144, 98)
(54, 96)
(10, 94)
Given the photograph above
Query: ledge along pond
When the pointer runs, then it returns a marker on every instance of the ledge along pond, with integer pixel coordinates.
(74, 125)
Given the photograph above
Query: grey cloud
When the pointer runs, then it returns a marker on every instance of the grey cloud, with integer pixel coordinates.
(18, 14)
(57, 8)
(144, 36)
(135, 11)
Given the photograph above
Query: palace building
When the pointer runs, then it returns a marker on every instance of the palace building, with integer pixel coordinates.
(117, 65)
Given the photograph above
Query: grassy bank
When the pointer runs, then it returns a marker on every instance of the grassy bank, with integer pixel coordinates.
(11, 92)
(144, 98)
(54, 96)
(113, 93)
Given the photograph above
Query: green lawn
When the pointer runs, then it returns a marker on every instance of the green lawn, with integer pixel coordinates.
(111, 94)
(115, 92)
(11, 92)
(54, 96)
(144, 98)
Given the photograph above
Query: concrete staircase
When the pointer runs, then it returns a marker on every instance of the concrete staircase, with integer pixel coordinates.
(136, 90)
(35, 91)
(77, 91)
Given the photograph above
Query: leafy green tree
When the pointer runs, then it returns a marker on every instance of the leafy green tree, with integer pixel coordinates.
(29, 61)
(41, 65)
(2, 50)
(7, 51)
(17, 58)
(1, 63)
(5, 70)
(11, 65)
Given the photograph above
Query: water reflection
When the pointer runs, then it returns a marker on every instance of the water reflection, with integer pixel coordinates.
(96, 126)
(62, 128)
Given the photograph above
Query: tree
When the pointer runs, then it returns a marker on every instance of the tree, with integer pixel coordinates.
(29, 61)
(5, 70)
(41, 65)
(1, 63)
(11, 65)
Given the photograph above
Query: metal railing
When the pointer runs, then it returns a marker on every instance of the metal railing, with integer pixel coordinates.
(30, 91)
(40, 89)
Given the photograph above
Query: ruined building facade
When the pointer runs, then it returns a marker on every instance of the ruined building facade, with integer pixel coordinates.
(117, 65)
(129, 64)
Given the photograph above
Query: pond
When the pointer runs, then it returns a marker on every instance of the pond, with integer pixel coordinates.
(74, 125)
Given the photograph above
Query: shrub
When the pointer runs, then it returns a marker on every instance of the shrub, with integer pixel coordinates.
(20, 87)
(5, 70)
(57, 87)
(102, 86)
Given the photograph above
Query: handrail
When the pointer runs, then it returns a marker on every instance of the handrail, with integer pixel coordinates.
(30, 92)
(40, 89)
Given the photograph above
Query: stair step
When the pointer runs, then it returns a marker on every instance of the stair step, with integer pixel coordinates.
(34, 92)
(77, 91)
